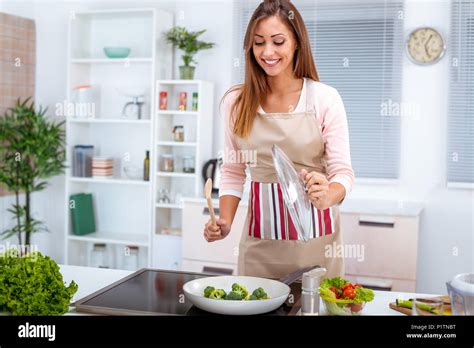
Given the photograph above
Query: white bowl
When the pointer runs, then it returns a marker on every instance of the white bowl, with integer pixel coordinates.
(277, 291)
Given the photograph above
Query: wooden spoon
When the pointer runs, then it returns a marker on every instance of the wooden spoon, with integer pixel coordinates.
(207, 193)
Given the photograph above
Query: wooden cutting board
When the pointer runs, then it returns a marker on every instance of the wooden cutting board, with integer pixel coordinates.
(446, 301)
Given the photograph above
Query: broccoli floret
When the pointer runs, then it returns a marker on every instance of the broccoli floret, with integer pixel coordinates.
(208, 291)
(234, 296)
(241, 290)
(218, 294)
(253, 298)
(259, 294)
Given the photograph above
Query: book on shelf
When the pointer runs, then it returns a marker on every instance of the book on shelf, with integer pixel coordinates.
(82, 213)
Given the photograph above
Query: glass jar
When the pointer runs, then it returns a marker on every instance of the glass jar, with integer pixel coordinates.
(130, 260)
(99, 256)
(178, 133)
(163, 196)
(163, 100)
(167, 163)
(188, 164)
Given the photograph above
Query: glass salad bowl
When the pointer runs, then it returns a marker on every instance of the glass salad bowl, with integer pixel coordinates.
(342, 307)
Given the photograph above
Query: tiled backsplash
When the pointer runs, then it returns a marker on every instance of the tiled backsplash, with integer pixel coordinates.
(17, 61)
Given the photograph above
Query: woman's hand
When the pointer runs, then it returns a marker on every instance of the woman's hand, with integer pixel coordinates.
(216, 232)
(318, 189)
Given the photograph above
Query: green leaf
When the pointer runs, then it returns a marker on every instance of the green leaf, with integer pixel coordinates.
(32, 151)
(187, 42)
(33, 285)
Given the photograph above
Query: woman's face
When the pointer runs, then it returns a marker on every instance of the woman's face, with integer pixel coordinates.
(274, 46)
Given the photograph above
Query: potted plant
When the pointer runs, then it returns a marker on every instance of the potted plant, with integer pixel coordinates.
(187, 42)
(32, 150)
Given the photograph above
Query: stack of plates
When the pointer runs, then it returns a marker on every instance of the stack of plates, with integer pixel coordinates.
(102, 167)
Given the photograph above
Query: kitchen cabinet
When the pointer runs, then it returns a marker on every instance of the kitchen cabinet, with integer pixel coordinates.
(387, 247)
(199, 255)
(166, 252)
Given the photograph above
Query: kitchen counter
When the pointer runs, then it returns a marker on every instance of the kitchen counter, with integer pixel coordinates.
(92, 279)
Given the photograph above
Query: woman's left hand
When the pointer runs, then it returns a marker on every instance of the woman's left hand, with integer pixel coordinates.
(318, 189)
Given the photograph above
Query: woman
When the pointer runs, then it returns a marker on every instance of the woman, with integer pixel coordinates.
(282, 102)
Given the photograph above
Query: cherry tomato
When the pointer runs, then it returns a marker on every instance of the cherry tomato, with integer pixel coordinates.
(349, 293)
(356, 307)
(357, 286)
(348, 285)
(334, 290)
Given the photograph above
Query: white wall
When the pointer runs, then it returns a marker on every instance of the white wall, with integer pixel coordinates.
(447, 220)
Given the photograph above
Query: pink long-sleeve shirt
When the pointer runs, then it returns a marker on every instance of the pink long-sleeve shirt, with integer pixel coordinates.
(333, 124)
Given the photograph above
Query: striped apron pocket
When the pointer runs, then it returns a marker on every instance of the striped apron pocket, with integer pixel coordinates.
(270, 219)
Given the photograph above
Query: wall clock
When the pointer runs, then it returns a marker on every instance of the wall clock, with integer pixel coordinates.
(425, 46)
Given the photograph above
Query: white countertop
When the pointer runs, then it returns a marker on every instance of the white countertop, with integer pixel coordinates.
(91, 279)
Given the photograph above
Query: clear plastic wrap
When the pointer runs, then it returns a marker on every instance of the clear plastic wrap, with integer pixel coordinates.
(294, 193)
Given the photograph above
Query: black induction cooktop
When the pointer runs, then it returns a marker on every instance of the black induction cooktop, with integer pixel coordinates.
(150, 292)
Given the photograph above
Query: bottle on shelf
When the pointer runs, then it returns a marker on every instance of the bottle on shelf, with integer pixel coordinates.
(163, 100)
(195, 101)
(146, 167)
(183, 98)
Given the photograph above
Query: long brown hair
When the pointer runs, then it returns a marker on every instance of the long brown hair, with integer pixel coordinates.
(255, 87)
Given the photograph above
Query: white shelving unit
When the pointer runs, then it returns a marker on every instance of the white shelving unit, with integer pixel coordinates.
(198, 132)
(124, 210)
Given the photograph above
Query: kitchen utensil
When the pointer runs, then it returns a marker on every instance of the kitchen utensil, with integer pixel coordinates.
(309, 291)
(339, 308)
(163, 196)
(294, 193)
(461, 292)
(408, 311)
(167, 163)
(82, 159)
(86, 99)
(117, 52)
(188, 165)
(178, 133)
(133, 109)
(207, 194)
(421, 307)
(212, 169)
(133, 172)
(130, 258)
(277, 291)
(99, 256)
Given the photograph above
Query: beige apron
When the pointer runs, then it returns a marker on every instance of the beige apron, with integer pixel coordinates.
(269, 246)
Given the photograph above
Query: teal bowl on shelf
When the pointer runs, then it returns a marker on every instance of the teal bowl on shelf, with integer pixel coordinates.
(117, 52)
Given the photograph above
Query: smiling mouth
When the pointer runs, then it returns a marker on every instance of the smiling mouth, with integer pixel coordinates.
(271, 62)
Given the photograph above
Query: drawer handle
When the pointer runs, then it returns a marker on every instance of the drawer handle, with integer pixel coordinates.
(205, 211)
(376, 224)
(217, 270)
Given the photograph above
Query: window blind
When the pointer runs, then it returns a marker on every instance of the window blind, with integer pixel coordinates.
(358, 48)
(460, 162)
